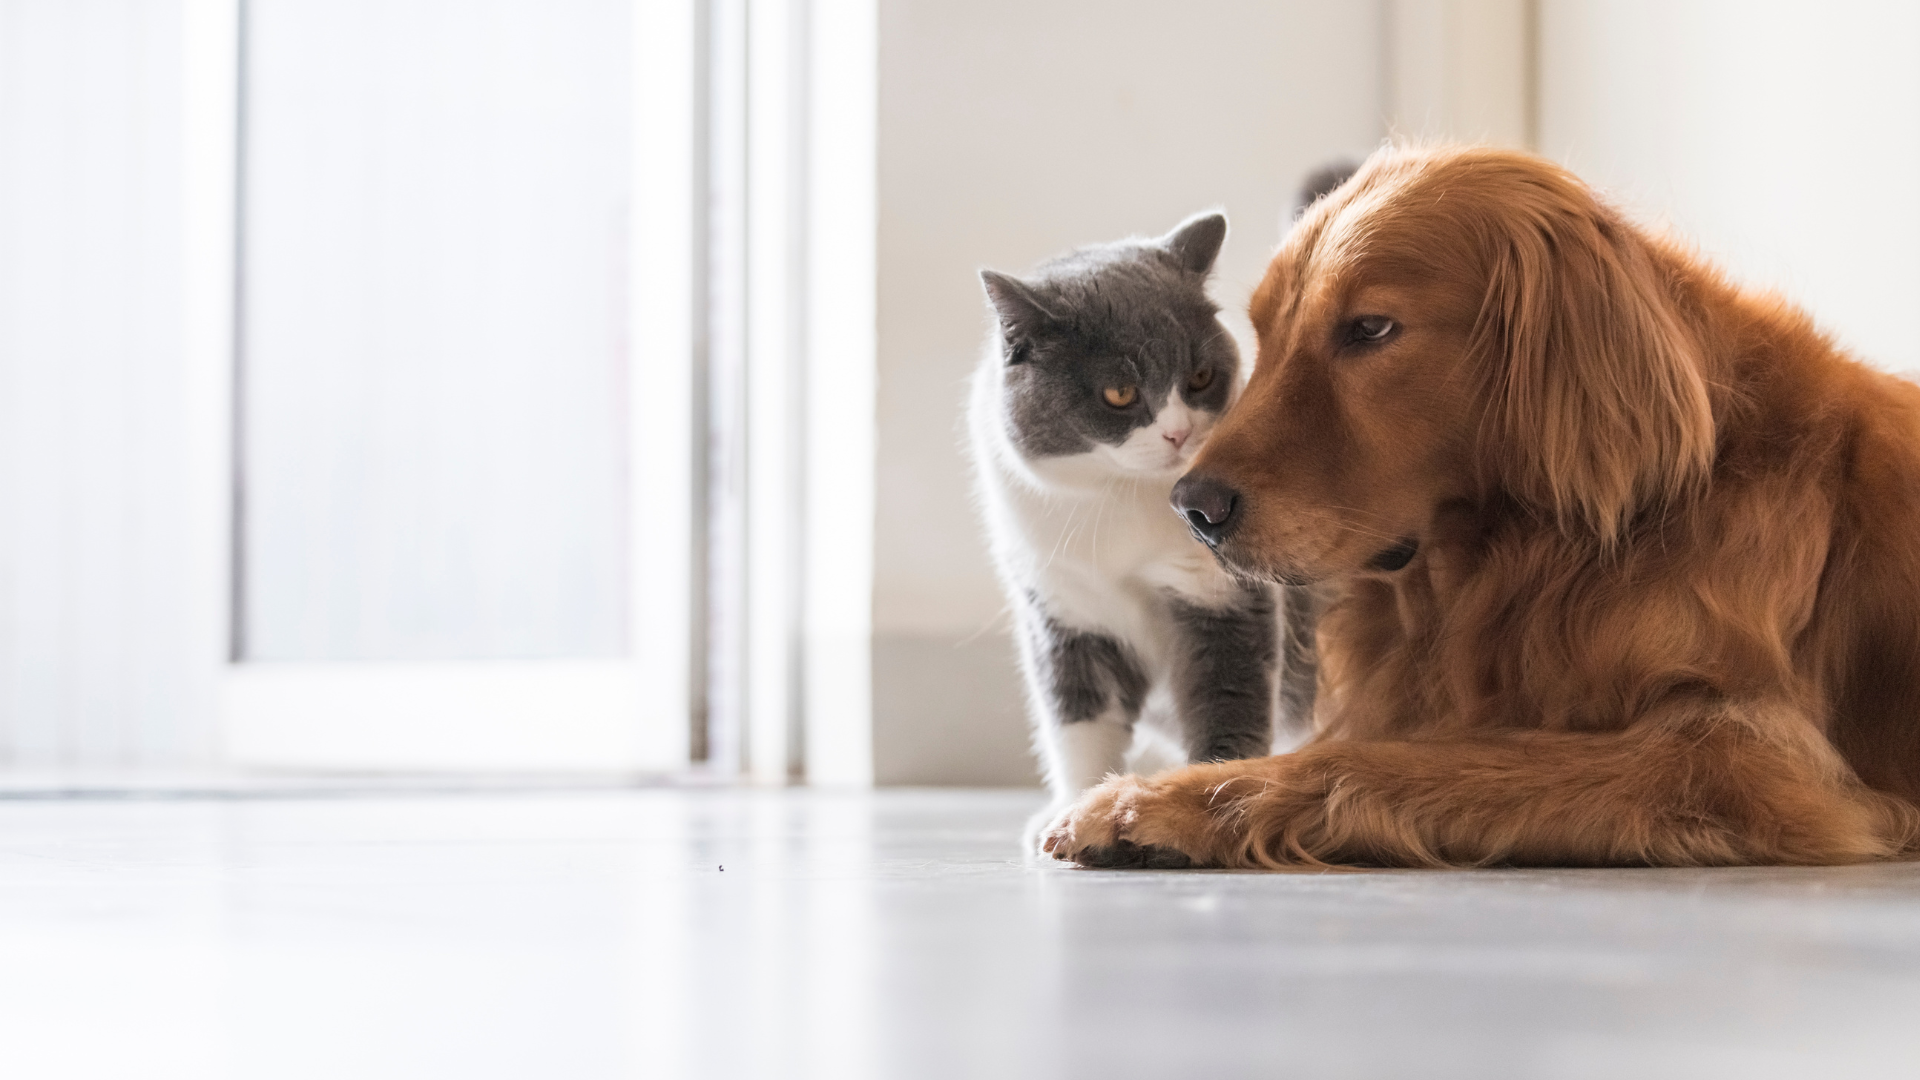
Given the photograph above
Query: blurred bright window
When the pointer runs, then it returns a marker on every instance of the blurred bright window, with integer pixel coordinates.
(433, 329)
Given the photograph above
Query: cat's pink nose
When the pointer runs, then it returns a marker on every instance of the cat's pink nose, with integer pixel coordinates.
(1178, 436)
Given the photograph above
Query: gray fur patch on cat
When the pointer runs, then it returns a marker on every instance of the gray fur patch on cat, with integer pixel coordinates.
(1084, 673)
(1299, 657)
(1223, 680)
(1128, 314)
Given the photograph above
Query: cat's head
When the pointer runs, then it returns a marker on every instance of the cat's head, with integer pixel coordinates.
(1115, 350)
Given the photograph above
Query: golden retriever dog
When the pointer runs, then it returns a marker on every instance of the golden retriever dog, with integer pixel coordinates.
(1622, 561)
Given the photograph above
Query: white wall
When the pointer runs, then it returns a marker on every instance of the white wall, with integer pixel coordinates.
(1009, 132)
(1784, 138)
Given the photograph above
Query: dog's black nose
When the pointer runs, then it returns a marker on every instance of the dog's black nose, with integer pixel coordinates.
(1208, 505)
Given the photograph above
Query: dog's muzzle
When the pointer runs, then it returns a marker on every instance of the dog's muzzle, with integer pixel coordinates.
(1210, 507)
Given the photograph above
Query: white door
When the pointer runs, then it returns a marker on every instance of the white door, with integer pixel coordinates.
(462, 373)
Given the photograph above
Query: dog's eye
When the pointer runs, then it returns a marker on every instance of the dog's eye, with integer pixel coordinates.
(1370, 330)
(1201, 379)
(1120, 396)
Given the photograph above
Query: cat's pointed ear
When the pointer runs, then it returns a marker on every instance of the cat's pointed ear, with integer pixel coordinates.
(1018, 305)
(1195, 242)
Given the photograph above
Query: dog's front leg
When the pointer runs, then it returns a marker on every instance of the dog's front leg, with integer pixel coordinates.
(1708, 791)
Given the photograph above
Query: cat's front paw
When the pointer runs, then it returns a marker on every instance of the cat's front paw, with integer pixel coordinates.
(1033, 838)
(1116, 824)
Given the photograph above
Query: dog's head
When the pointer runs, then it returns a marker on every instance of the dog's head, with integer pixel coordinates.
(1450, 327)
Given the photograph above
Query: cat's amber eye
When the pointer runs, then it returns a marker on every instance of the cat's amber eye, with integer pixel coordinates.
(1120, 396)
(1201, 379)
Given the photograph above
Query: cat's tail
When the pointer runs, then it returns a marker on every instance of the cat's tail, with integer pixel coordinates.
(1320, 182)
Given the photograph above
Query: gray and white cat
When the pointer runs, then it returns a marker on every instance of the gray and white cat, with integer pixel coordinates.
(1108, 370)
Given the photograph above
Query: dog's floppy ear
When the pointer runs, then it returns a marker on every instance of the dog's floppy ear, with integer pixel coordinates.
(1600, 405)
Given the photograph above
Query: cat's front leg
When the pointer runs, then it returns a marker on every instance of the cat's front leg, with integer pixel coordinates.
(1079, 755)
(1226, 660)
(1299, 665)
(1088, 688)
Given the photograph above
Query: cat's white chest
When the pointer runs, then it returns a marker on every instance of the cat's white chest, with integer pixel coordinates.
(1103, 556)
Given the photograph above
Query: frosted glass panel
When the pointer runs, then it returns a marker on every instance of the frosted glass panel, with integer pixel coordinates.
(102, 628)
(433, 371)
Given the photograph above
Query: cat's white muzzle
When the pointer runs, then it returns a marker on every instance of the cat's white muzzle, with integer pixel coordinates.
(1162, 446)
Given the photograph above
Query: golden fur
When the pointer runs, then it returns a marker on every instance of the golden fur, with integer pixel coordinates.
(1665, 603)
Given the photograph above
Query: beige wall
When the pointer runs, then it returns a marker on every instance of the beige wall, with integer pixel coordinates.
(1010, 131)
(1779, 137)
(1460, 69)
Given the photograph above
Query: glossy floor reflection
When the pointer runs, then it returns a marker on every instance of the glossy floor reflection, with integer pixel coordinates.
(587, 935)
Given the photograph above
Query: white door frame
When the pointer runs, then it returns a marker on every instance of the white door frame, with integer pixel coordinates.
(840, 395)
(811, 211)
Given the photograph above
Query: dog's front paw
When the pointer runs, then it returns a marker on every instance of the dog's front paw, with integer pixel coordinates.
(1105, 829)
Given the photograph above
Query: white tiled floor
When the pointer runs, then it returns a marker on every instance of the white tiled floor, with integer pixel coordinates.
(585, 935)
